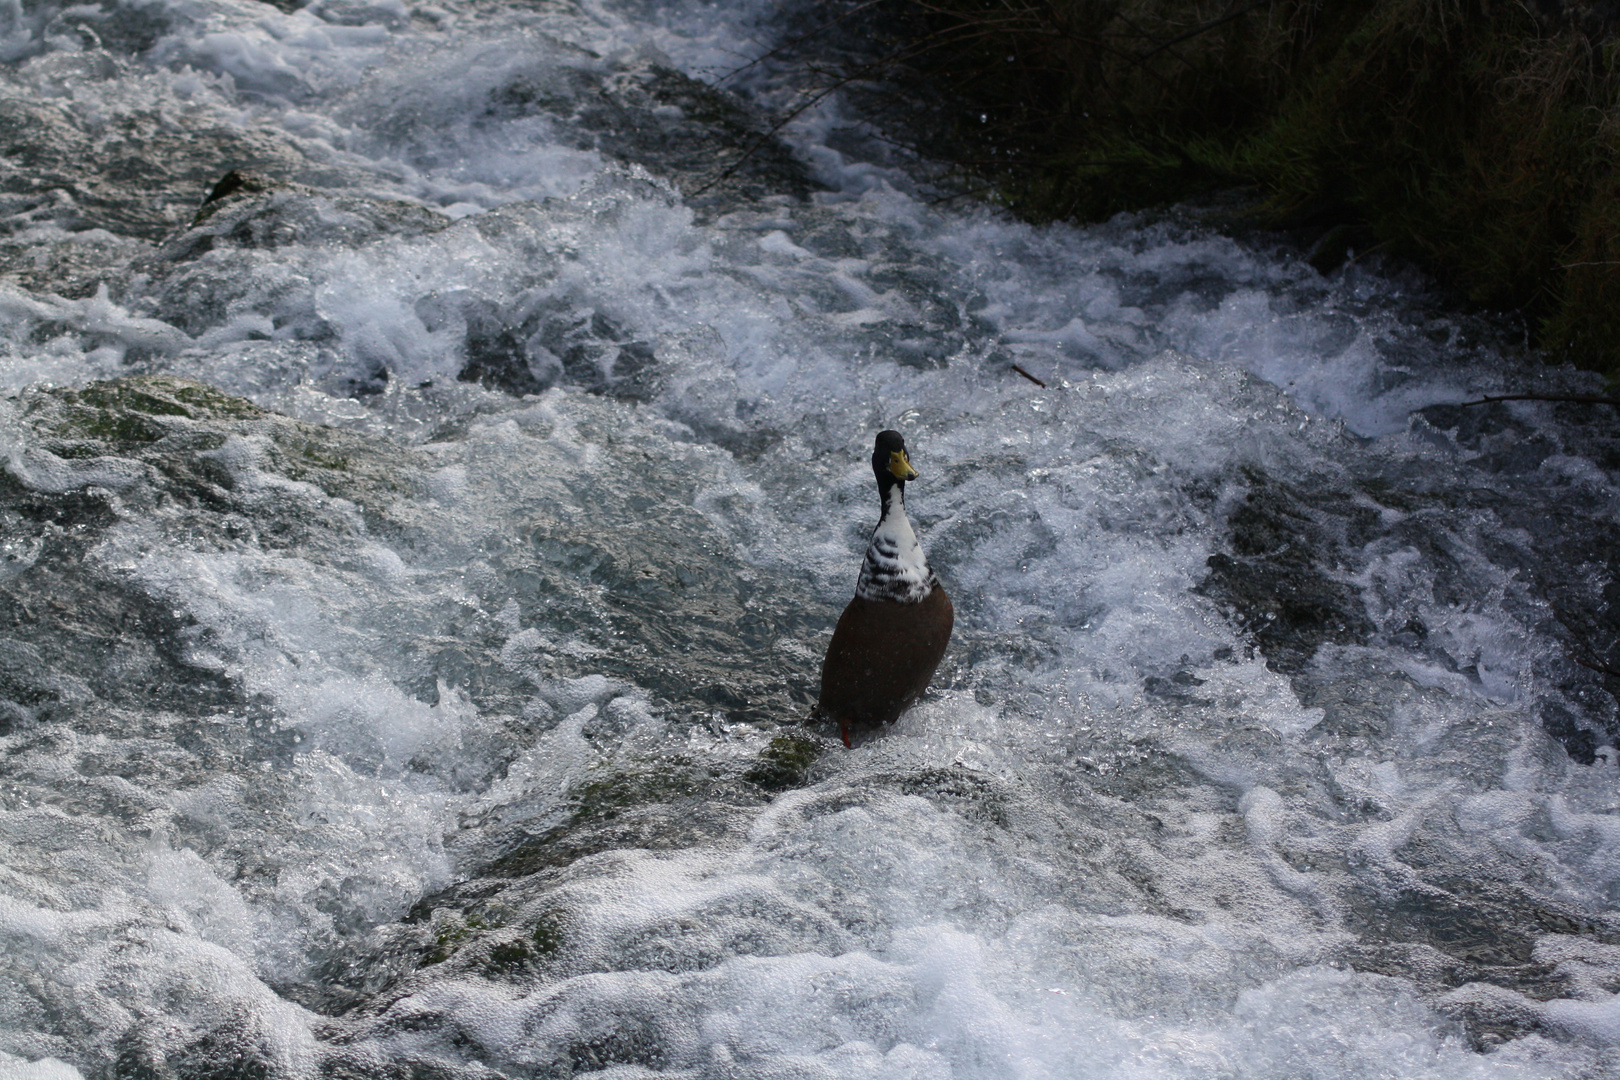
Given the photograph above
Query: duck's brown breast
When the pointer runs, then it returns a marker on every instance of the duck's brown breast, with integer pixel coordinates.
(882, 657)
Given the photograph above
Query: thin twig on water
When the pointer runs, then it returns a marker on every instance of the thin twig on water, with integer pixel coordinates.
(1028, 376)
(1583, 399)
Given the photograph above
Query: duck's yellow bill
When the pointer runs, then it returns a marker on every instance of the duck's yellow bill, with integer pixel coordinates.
(900, 466)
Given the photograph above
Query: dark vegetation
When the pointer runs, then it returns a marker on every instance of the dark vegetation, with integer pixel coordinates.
(1478, 138)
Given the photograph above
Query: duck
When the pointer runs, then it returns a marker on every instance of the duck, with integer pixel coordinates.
(890, 639)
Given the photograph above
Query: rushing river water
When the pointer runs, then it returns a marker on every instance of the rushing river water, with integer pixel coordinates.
(417, 562)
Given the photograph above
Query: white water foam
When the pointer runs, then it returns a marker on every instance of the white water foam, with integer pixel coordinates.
(1020, 917)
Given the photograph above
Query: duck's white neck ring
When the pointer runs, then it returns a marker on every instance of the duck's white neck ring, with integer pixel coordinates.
(895, 568)
(893, 495)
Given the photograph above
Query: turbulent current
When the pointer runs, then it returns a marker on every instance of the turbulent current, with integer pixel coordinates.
(434, 453)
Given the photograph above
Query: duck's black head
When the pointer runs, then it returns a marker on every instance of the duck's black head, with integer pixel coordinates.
(889, 461)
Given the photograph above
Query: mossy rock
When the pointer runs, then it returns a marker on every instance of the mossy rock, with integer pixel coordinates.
(785, 763)
(454, 929)
(172, 423)
(612, 795)
(663, 806)
(163, 395)
(520, 954)
(128, 413)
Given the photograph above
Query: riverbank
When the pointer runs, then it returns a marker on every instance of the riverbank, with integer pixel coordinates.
(1478, 139)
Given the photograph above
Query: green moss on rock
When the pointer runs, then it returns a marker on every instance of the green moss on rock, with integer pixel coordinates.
(784, 763)
(173, 424)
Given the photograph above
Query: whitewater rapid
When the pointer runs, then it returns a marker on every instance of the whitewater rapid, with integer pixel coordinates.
(417, 561)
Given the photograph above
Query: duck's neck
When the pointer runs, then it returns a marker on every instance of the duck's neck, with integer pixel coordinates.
(895, 567)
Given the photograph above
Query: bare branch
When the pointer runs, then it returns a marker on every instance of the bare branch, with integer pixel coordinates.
(1028, 376)
(1582, 399)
